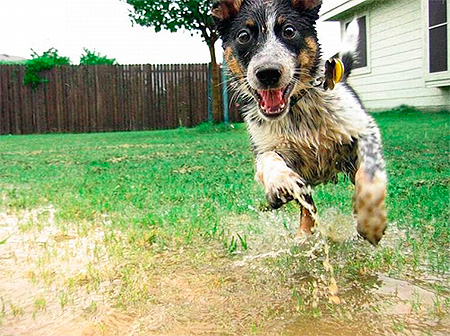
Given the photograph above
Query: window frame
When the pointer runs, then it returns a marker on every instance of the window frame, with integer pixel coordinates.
(434, 79)
(368, 68)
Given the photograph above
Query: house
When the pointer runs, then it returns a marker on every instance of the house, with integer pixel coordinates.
(9, 58)
(404, 51)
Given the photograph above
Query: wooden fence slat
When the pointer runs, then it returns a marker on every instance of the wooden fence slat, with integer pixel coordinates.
(156, 90)
(149, 97)
(141, 97)
(144, 97)
(5, 118)
(9, 99)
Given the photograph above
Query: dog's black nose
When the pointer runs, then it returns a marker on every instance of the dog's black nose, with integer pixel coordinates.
(269, 75)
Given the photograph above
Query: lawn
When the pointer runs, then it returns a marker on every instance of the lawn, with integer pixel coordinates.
(171, 225)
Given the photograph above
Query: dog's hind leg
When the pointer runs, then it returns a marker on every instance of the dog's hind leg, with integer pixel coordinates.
(307, 218)
(370, 187)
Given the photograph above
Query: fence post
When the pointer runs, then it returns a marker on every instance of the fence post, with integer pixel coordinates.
(210, 111)
(226, 111)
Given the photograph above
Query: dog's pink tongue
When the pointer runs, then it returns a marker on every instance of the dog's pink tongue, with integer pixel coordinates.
(271, 99)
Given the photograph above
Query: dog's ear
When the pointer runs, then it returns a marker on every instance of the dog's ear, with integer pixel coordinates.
(306, 4)
(225, 9)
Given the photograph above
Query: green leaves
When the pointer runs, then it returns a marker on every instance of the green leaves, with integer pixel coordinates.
(172, 15)
(94, 58)
(39, 63)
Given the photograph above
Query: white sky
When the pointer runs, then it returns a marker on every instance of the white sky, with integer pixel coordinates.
(104, 25)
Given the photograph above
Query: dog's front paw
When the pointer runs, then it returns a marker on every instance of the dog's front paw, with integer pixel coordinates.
(283, 188)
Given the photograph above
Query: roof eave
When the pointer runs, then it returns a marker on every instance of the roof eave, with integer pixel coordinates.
(342, 10)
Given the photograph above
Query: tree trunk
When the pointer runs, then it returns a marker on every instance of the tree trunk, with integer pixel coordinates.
(216, 94)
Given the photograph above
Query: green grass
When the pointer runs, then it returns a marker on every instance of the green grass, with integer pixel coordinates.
(195, 188)
(181, 181)
(184, 182)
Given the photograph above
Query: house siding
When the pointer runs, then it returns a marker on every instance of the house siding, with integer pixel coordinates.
(396, 75)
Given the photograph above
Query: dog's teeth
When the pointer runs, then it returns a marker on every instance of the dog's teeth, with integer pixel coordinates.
(282, 106)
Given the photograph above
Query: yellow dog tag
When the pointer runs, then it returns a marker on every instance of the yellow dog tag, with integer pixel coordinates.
(334, 72)
(338, 71)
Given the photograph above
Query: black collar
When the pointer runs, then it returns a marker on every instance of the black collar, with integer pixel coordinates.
(315, 83)
(295, 99)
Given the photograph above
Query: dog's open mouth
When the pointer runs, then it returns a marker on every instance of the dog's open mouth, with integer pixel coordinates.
(274, 102)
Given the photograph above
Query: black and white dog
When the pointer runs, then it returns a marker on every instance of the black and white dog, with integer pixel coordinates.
(302, 134)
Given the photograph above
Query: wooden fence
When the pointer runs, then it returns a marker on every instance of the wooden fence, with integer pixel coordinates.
(105, 98)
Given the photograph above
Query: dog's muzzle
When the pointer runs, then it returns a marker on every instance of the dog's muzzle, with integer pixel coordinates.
(272, 92)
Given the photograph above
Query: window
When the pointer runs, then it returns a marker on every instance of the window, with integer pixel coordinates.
(362, 44)
(437, 43)
(362, 48)
(438, 35)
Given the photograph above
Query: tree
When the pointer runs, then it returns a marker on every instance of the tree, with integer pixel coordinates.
(94, 58)
(192, 15)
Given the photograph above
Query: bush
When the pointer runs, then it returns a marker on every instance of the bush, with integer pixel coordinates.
(39, 63)
(94, 58)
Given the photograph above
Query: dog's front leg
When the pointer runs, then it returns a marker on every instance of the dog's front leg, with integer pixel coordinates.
(282, 185)
(280, 182)
(370, 192)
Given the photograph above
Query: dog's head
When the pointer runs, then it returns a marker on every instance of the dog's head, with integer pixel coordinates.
(271, 48)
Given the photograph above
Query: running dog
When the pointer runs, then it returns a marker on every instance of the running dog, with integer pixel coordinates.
(303, 133)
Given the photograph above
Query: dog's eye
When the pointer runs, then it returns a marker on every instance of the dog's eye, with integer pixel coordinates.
(289, 32)
(243, 37)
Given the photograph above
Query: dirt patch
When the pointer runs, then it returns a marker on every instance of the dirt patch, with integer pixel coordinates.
(44, 283)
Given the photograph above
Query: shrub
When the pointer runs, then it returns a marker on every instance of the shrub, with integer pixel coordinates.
(94, 58)
(39, 63)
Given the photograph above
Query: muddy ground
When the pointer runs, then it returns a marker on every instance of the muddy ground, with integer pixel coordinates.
(86, 281)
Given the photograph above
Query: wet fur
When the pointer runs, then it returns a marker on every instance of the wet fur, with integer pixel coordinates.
(324, 133)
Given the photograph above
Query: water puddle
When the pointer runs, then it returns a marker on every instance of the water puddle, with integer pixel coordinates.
(387, 307)
(369, 305)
